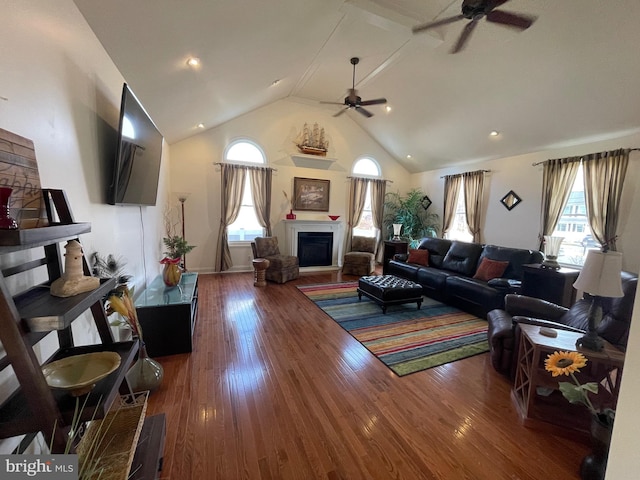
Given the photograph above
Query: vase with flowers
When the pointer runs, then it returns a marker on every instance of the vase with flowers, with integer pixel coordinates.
(177, 248)
(290, 215)
(569, 363)
(146, 374)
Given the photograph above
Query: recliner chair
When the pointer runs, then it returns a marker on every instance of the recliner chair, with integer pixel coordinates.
(504, 334)
(282, 268)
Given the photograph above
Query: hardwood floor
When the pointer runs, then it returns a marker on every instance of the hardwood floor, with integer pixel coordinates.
(275, 389)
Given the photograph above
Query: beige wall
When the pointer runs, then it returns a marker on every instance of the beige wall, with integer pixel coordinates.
(63, 92)
(274, 128)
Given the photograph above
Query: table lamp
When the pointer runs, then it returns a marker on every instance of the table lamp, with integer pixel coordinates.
(397, 228)
(599, 277)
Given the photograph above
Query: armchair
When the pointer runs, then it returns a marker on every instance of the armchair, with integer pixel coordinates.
(282, 268)
(361, 259)
(504, 334)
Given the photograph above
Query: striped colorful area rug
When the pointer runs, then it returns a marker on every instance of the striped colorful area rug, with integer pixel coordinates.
(406, 339)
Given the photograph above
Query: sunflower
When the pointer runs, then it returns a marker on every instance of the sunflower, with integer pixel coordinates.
(564, 363)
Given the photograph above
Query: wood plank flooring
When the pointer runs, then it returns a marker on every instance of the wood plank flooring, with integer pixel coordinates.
(275, 389)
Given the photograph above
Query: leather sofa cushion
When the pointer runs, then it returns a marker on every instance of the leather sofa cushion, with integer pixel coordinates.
(462, 258)
(437, 247)
(403, 269)
(433, 278)
(475, 291)
(515, 256)
(419, 256)
(577, 315)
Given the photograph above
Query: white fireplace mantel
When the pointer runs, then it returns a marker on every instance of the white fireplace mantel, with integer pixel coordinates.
(293, 227)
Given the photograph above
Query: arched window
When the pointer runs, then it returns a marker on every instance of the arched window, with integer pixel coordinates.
(366, 167)
(246, 227)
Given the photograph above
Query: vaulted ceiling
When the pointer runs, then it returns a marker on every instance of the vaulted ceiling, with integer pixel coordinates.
(572, 77)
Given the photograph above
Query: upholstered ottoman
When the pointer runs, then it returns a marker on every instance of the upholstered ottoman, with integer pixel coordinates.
(388, 290)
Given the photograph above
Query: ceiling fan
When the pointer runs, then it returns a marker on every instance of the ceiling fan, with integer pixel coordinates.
(353, 100)
(475, 10)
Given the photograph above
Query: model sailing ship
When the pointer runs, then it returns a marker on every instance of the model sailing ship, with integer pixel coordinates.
(312, 141)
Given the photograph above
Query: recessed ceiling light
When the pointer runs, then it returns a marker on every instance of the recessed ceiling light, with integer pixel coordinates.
(387, 108)
(200, 125)
(275, 82)
(193, 62)
(494, 133)
(409, 157)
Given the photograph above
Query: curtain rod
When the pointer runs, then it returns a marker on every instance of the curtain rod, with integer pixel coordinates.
(460, 174)
(243, 165)
(370, 178)
(540, 163)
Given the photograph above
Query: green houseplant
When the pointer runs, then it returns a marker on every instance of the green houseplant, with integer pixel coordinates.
(408, 209)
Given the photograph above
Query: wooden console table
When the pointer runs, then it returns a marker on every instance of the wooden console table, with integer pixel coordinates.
(391, 248)
(548, 405)
(168, 315)
(555, 286)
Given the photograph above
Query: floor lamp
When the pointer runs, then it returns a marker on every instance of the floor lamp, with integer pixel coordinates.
(182, 197)
(599, 277)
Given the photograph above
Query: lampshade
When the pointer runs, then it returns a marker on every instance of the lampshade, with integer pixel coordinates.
(600, 274)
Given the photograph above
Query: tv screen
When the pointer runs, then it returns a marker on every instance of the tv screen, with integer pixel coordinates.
(138, 155)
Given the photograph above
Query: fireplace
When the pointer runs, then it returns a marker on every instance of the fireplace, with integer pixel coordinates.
(329, 247)
(315, 248)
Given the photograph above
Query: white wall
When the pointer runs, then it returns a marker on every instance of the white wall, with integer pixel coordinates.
(63, 92)
(520, 226)
(274, 128)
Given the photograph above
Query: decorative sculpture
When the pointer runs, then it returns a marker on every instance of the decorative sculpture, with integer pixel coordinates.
(73, 281)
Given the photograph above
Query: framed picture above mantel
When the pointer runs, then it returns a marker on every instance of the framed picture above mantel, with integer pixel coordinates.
(311, 194)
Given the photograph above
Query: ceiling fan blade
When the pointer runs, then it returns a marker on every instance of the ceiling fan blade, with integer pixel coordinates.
(364, 112)
(464, 36)
(377, 101)
(437, 23)
(340, 112)
(331, 103)
(508, 19)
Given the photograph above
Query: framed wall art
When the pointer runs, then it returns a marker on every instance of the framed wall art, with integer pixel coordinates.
(510, 200)
(311, 194)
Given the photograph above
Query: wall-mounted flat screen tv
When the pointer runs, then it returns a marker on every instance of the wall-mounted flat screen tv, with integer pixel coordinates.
(138, 155)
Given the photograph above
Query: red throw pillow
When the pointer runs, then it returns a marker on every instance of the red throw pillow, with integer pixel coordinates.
(490, 269)
(419, 256)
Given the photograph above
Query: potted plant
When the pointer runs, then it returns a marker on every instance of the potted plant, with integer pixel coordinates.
(409, 210)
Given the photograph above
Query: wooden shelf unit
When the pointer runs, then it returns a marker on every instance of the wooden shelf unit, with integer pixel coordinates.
(34, 407)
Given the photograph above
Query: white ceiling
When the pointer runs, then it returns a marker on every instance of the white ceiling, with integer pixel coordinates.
(572, 78)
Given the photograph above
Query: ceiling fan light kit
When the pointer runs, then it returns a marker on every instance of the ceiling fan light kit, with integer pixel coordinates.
(475, 10)
(352, 100)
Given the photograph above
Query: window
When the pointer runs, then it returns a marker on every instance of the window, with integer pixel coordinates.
(246, 227)
(573, 226)
(459, 229)
(366, 167)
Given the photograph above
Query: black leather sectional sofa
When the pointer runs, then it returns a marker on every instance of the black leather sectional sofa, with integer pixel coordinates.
(452, 266)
